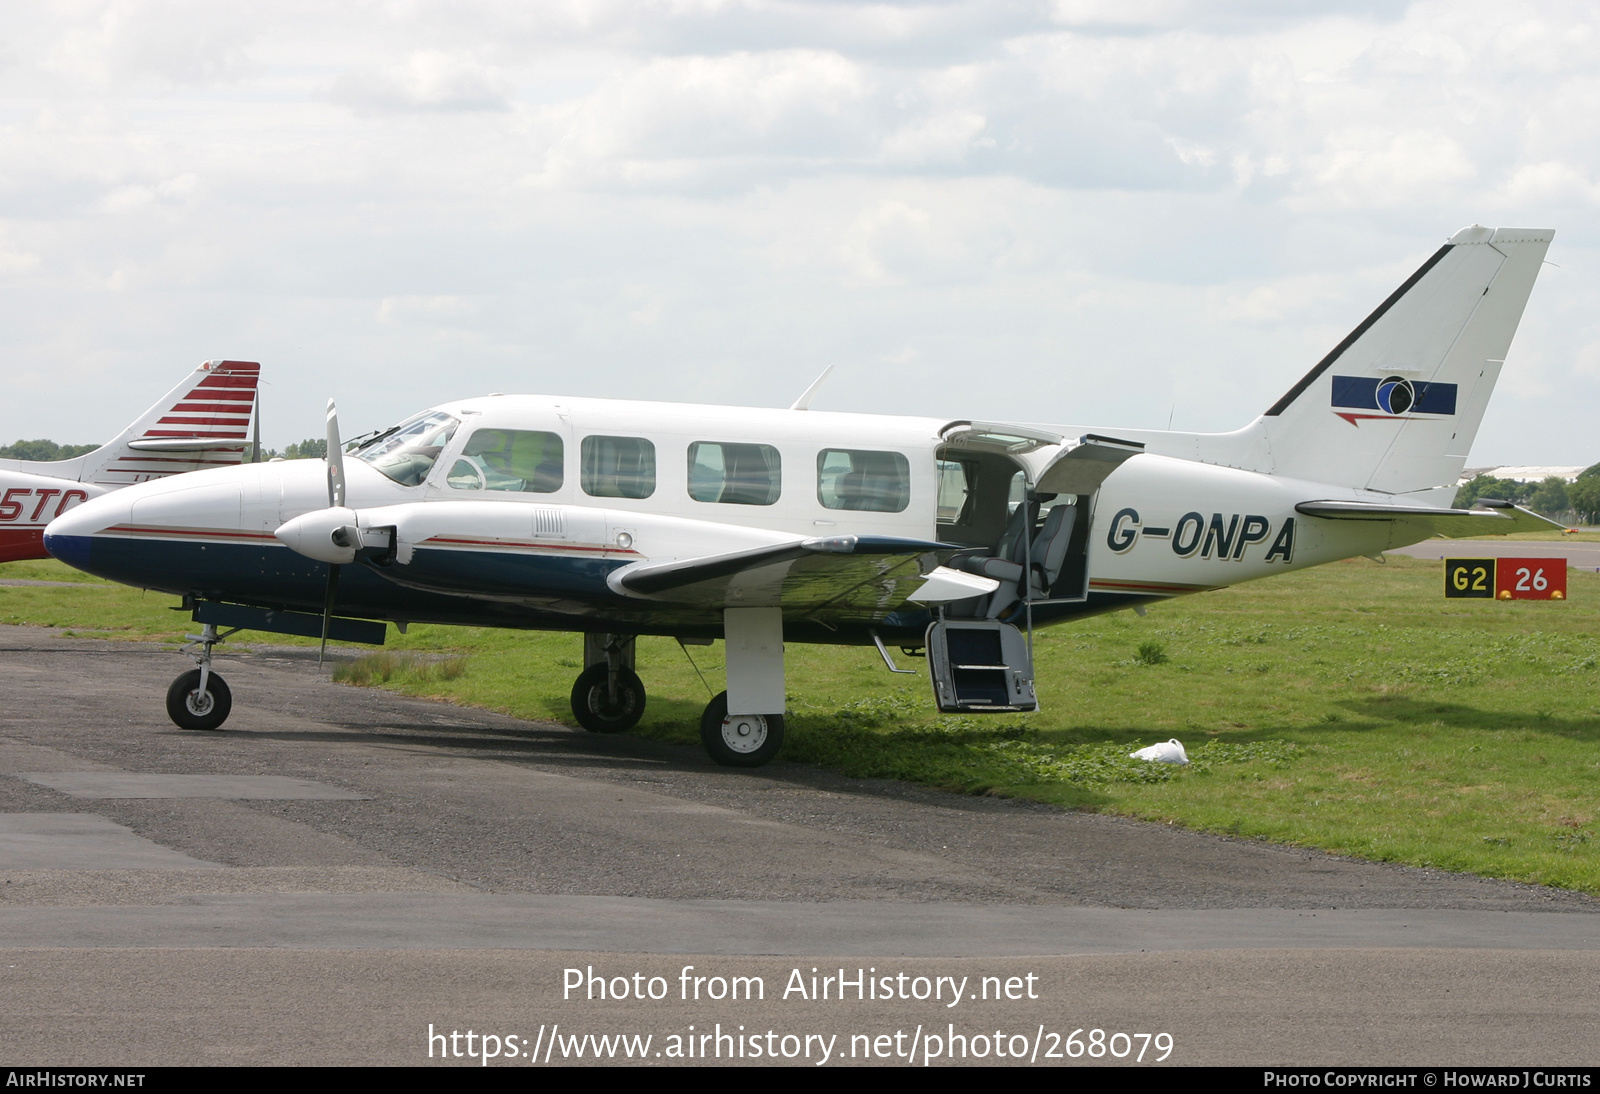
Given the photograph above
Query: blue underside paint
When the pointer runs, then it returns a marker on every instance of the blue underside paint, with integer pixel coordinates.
(530, 592)
(73, 550)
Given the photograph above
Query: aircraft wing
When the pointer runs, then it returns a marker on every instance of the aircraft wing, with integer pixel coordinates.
(851, 574)
(1501, 519)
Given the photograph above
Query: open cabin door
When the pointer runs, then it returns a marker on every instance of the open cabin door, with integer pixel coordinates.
(1019, 516)
(1032, 537)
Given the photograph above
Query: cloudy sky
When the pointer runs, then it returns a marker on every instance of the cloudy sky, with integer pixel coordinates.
(1114, 212)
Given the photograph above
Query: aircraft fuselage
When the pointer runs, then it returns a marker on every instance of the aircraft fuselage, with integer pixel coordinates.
(540, 559)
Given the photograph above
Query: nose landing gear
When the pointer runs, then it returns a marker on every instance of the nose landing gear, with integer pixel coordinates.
(200, 699)
(608, 696)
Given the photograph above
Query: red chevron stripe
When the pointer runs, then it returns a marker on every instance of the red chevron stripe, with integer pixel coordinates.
(210, 423)
(1355, 419)
(214, 393)
(210, 408)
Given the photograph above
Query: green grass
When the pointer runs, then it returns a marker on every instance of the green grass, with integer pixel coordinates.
(1349, 708)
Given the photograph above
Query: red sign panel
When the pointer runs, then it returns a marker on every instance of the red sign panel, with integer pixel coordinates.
(1530, 579)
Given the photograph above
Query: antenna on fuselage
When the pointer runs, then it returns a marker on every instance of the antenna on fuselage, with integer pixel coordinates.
(804, 402)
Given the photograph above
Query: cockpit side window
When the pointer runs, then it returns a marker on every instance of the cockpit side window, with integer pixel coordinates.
(509, 459)
(734, 474)
(407, 452)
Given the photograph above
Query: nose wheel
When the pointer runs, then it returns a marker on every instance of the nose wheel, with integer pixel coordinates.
(604, 703)
(191, 706)
(200, 699)
(739, 740)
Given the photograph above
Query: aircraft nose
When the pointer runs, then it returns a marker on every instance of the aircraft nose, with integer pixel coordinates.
(68, 536)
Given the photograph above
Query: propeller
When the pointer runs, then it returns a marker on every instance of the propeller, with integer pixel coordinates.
(335, 457)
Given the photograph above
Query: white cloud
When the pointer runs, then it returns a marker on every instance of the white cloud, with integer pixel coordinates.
(1365, 169)
(14, 263)
(1115, 202)
(426, 309)
(429, 79)
(941, 138)
(141, 198)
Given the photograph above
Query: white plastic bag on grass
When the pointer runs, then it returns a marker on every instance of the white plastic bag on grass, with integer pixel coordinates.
(1167, 752)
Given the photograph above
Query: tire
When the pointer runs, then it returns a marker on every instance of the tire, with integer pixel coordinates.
(592, 707)
(742, 740)
(188, 709)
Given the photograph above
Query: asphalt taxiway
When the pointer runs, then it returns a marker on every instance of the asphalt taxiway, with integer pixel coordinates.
(341, 868)
(1579, 555)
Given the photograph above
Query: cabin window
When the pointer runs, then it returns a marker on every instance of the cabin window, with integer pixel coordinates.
(618, 467)
(956, 479)
(873, 482)
(509, 459)
(734, 474)
(408, 452)
(1017, 492)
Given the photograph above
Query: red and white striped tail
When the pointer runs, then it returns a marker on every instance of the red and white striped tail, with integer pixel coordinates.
(203, 422)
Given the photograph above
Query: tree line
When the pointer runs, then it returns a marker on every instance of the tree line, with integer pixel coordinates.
(1553, 497)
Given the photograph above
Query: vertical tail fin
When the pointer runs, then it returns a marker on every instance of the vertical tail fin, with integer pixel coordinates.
(203, 422)
(1395, 406)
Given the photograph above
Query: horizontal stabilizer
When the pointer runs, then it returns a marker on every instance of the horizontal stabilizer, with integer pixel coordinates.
(1503, 519)
(188, 444)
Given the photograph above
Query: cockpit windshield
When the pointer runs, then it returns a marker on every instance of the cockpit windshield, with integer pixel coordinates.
(407, 452)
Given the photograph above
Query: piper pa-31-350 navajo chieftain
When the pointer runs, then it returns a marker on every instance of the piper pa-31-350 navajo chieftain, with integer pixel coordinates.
(761, 527)
(200, 423)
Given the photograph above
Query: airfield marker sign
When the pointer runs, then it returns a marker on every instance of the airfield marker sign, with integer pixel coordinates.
(1505, 578)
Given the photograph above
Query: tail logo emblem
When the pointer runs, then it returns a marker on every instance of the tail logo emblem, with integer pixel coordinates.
(1394, 397)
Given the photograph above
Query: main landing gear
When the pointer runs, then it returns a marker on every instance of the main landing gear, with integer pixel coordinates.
(755, 683)
(200, 699)
(739, 740)
(608, 696)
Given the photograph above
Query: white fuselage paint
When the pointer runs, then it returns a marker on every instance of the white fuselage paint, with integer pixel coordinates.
(254, 501)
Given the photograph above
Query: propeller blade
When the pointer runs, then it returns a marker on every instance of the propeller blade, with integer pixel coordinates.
(335, 460)
(327, 612)
(255, 425)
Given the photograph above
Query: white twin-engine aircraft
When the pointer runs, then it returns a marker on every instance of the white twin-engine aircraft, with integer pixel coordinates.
(762, 527)
(203, 422)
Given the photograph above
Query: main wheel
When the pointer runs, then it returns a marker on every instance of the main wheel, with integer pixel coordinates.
(739, 740)
(189, 709)
(593, 708)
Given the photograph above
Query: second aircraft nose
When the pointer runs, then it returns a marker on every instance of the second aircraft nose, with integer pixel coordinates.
(67, 537)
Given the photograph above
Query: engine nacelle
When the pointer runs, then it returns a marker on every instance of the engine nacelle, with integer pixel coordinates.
(328, 535)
